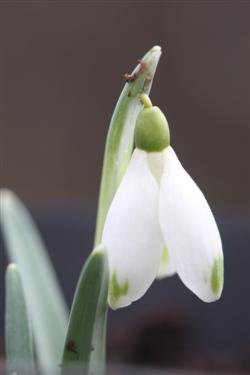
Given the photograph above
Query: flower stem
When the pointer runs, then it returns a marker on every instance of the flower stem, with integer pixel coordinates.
(145, 101)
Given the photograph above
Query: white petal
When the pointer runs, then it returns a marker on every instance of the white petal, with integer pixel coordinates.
(132, 234)
(190, 231)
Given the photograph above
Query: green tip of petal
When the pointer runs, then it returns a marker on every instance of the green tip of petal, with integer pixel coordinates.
(217, 276)
(116, 290)
(151, 130)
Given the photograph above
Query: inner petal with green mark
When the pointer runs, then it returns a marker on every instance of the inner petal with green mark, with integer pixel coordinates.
(164, 256)
(166, 265)
(116, 289)
(217, 276)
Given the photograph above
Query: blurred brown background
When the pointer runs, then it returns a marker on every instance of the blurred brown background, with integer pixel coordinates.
(63, 71)
(62, 67)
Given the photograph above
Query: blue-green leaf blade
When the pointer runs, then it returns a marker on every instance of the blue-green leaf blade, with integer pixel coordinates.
(86, 337)
(43, 295)
(18, 337)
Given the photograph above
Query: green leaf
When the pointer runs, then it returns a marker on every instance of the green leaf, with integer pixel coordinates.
(18, 338)
(120, 139)
(43, 295)
(86, 337)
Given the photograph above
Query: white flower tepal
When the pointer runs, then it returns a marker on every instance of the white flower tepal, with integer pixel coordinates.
(132, 234)
(159, 222)
(190, 230)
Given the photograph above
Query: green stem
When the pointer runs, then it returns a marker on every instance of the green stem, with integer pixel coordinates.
(145, 101)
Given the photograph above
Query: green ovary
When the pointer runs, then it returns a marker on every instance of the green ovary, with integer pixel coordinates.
(152, 130)
(116, 290)
(217, 275)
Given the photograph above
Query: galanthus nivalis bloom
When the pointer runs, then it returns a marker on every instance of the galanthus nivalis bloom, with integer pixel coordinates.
(159, 222)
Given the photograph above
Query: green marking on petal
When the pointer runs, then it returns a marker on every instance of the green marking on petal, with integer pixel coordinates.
(116, 290)
(164, 259)
(164, 256)
(217, 275)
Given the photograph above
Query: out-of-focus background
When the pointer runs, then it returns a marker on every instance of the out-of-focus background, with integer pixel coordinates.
(62, 67)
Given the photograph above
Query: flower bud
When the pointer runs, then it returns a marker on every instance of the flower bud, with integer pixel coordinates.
(151, 130)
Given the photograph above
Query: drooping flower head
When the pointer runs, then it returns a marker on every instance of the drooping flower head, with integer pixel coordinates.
(159, 222)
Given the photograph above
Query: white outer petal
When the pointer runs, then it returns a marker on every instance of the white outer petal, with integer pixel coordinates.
(131, 232)
(189, 228)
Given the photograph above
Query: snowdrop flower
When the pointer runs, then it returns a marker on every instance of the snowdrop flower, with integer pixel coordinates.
(159, 222)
